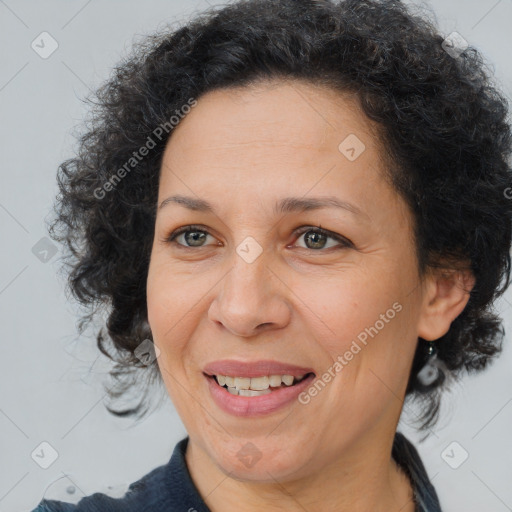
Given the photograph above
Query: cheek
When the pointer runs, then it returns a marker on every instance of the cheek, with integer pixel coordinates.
(175, 303)
(367, 320)
(344, 306)
(171, 293)
(159, 298)
(369, 344)
(167, 307)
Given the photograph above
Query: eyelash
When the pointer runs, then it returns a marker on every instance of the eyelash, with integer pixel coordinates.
(345, 243)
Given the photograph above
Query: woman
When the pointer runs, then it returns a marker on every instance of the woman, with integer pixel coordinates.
(297, 214)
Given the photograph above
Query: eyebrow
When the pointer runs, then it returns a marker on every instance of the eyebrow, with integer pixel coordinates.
(286, 205)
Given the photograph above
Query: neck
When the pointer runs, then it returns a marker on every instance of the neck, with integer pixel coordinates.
(370, 481)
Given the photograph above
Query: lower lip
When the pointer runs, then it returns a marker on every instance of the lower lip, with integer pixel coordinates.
(256, 405)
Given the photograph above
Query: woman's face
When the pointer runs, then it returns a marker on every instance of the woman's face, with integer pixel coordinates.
(252, 282)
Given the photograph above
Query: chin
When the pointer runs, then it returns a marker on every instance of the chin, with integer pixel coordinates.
(251, 461)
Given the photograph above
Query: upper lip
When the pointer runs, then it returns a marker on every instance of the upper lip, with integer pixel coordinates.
(259, 368)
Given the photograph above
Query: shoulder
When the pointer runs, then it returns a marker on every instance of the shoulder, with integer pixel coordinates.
(142, 495)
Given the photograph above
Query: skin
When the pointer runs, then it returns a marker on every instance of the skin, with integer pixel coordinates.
(242, 150)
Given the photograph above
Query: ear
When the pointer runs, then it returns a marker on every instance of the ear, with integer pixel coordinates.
(445, 297)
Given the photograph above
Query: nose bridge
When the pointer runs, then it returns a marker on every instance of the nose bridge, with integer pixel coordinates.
(249, 294)
(247, 285)
(250, 258)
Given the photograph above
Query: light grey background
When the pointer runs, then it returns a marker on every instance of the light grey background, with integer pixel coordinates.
(50, 380)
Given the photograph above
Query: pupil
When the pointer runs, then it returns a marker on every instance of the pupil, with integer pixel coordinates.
(316, 243)
(194, 236)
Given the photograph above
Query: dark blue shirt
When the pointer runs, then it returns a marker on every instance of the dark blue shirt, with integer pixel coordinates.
(169, 488)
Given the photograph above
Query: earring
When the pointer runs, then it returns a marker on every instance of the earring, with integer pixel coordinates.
(430, 372)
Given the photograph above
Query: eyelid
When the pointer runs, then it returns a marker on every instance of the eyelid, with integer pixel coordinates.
(184, 229)
(343, 241)
(318, 229)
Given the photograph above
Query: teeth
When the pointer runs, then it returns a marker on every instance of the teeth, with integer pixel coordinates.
(259, 384)
(274, 381)
(252, 392)
(287, 379)
(248, 392)
(242, 383)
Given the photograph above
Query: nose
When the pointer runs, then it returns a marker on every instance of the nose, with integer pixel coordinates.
(251, 299)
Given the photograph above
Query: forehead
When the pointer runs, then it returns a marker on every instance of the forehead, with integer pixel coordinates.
(295, 114)
(272, 130)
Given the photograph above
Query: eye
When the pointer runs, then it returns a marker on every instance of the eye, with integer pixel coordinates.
(316, 238)
(189, 236)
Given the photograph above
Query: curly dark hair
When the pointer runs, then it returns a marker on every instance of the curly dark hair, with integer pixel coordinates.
(442, 121)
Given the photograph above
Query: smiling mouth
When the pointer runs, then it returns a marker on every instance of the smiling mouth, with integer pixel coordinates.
(256, 386)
